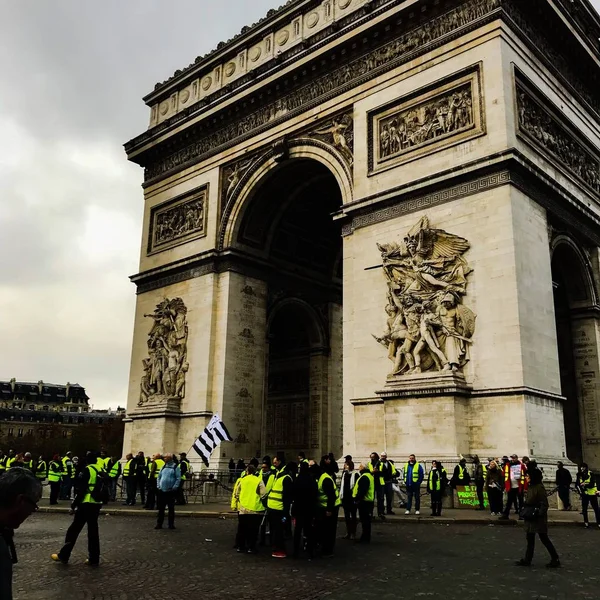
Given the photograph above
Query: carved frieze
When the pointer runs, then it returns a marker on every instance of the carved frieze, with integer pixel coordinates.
(352, 73)
(560, 142)
(178, 221)
(166, 367)
(443, 114)
(428, 326)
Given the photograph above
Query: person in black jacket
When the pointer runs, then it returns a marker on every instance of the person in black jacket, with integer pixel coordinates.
(304, 502)
(563, 483)
(461, 474)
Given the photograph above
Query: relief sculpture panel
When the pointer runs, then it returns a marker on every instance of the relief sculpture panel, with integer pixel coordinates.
(166, 367)
(446, 113)
(428, 326)
(178, 221)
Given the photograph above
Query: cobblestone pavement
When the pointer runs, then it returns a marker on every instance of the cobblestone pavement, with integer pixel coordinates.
(197, 560)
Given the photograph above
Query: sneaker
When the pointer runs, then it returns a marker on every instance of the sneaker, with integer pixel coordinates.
(250, 551)
(57, 558)
(586, 525)
(91, 564)
(407, 512)
(279, 555)
(417, 512)
(553, 564)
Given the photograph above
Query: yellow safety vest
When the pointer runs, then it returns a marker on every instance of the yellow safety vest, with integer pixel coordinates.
(249, 496)
(370, 495)
(3, 463)
(461, 472)
(106, 462)
(127, 467)
(590, 491)
(160, 463)
(438, 483)
(66, 469)
(114, 471)
(40, 469)
(415, 472)
(10, 462)
(87, 499)
(54, 473)
(185, 476)
(322, 497)
(275, 501)
(28, 464)
(234, 500)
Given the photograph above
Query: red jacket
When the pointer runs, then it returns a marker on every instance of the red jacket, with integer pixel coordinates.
(523, 483)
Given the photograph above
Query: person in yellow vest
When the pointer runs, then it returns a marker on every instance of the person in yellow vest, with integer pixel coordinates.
(302, 458)
(413, 477)
(267, 474)
(40, 469)
(278, 504)
(155, 467)
(328, 508)
(461, 476)
(249, 493)
(436, 484)
(113, 468)
(87, 510)
(54, 477)
(186, 475)
(364, 496)
(10, 459)
(387, 473)
(68, 471)
(104, 460)
(479, 475)
(588, 488)
(130, 479)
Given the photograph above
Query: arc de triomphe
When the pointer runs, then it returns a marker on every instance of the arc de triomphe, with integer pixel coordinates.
(376, 224)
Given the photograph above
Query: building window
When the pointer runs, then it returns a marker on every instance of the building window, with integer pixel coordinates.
(70, 420)
(20, 433)
(80, 420)
(30, 432)
(45, 408)
(42, 433)
(32, 407)
(73, 409)
(64, 433)
(11, 432)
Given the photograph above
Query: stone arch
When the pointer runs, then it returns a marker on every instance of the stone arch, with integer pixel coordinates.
(256, 173)
(575, 267)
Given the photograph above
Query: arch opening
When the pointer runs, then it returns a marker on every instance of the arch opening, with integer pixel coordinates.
(573, 292)
(288, 222)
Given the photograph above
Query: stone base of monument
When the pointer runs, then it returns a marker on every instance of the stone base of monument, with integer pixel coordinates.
(427, 415)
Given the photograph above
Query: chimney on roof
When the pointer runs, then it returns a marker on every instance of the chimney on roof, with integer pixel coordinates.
(40, 385)
(13, 382)
(68, 388)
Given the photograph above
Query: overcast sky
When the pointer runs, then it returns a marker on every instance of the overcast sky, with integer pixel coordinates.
(72, 75)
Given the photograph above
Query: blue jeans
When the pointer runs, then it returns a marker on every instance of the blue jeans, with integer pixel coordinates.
(413, 491)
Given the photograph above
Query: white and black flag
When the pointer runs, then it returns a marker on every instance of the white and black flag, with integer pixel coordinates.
(214, 433)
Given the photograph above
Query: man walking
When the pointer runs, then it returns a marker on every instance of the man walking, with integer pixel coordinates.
(155, 468)
(87, 510)
(413, 477)
(563, 482)
(20, 492)
(364, 496)
(168, 482)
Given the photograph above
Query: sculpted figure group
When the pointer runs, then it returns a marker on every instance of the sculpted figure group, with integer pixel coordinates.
(166, 366)
(428, 326)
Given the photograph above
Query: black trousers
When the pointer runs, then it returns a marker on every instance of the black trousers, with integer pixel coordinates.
(327, 528)
(141, 483)
(85, 514)
(436, 503)
(531, 546)
(65, 488)
(151, 496)
(365, 514)
(480, 485)
(380, 493)
(165, 499)
(563, 494)
(585, 502)
(130, 485)
(277, 530)
(247, 534)
(513, 497)
(54, 491)
(495, 498)
(304, 528)
(180, 498)
(350, 510)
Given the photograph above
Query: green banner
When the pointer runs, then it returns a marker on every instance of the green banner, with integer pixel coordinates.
(467, 496)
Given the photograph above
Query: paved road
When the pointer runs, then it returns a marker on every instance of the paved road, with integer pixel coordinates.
(410, 560)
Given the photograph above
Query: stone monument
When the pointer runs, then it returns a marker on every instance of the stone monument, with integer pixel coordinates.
(424, 173)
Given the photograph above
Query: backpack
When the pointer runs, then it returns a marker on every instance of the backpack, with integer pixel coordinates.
(101, 489)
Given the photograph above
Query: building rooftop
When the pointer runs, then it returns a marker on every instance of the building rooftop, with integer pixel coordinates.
(42, 391)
